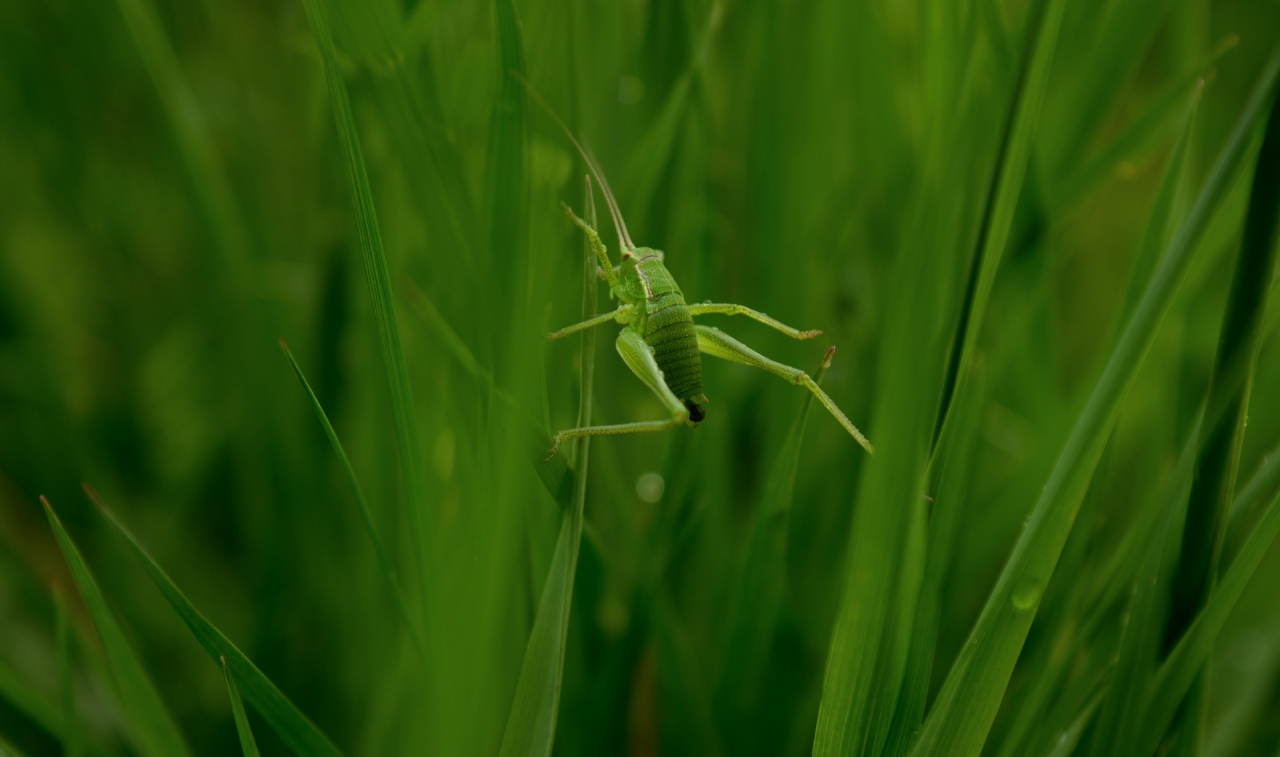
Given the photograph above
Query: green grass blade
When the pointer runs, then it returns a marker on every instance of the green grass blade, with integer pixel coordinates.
(967, 704)
(555, 474)
(294, 728)
(1137, 135)
(247, 743)
(762, 586)
(379, 283)
(949, 481)
(1138, 654)
(384, 558)
(1262, 483)
(1184, 663)
(151, 724)
(1002, 195)
(1159, 225)
(1209, 505)
(508, 181)
(26, 700)
(70, 735)
(1238, 342)
(531, 724)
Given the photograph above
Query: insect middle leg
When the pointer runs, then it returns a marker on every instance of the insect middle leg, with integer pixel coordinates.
(618, 315)
(715, 342)
(639, 358)
(729, 309)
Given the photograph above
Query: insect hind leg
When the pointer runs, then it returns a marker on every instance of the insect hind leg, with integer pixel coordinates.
(715, 342)
(639, 358)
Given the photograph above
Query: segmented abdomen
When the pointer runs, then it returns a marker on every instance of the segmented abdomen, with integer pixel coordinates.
(669, 331)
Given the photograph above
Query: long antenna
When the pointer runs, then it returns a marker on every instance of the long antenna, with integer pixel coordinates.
(624, 238)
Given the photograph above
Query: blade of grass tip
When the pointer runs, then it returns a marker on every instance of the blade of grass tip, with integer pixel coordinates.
(384, 559)
(948, 482)
(531, 723)
(66, 680)
(247, 744)
(1214, 481)
(1135, 136)
(154, 731)
(1183, 665)
(379, 282)
(555, 474)
(1002, 195)
(294, 728)
(965, 707)
(763, 583)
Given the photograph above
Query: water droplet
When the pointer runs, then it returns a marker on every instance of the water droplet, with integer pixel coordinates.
(1026, 595)
(649, 487)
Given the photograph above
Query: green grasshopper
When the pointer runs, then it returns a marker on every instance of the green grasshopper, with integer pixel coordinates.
(659, 341)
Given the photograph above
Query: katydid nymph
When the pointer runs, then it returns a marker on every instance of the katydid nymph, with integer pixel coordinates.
(659, 341)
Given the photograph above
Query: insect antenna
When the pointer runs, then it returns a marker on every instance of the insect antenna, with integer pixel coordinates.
(624, 237)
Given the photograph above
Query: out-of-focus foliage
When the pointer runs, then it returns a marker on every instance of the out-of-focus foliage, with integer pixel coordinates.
(175, 196)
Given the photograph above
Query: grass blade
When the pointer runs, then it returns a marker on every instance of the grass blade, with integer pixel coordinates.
(152, 726)
(1264, 480)
(969, 699)
(384, 559)
(763, 583)
(294, 728)
(555, 474)
(70, 736)
(247, 744)
(949, 484)
(19, 695)
(1213, 486)
(1002, 195)
(1183, 664)
(869, 649)
(1135, 136)
(531, 724)
(379, 282)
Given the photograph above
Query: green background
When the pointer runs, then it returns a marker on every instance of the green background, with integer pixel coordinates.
(173, 200)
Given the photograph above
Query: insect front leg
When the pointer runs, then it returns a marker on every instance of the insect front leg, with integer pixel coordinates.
(597, 246)
(716, 342)
(728, 309)
(639, 358)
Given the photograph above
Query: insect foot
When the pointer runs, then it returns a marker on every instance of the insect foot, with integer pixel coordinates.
(555, 447)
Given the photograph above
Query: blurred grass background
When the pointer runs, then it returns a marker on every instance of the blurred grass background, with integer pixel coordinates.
(172, 200)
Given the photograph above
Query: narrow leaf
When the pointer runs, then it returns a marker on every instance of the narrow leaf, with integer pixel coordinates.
(379, 282)
(1182, 666)
(384, 558)
(294, 727)
(531, 724)
(151, 724)
(1137, 135)
(967, 704)
(762, 588)
(247, 744)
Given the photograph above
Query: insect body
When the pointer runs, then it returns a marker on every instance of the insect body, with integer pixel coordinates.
(659, 341)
